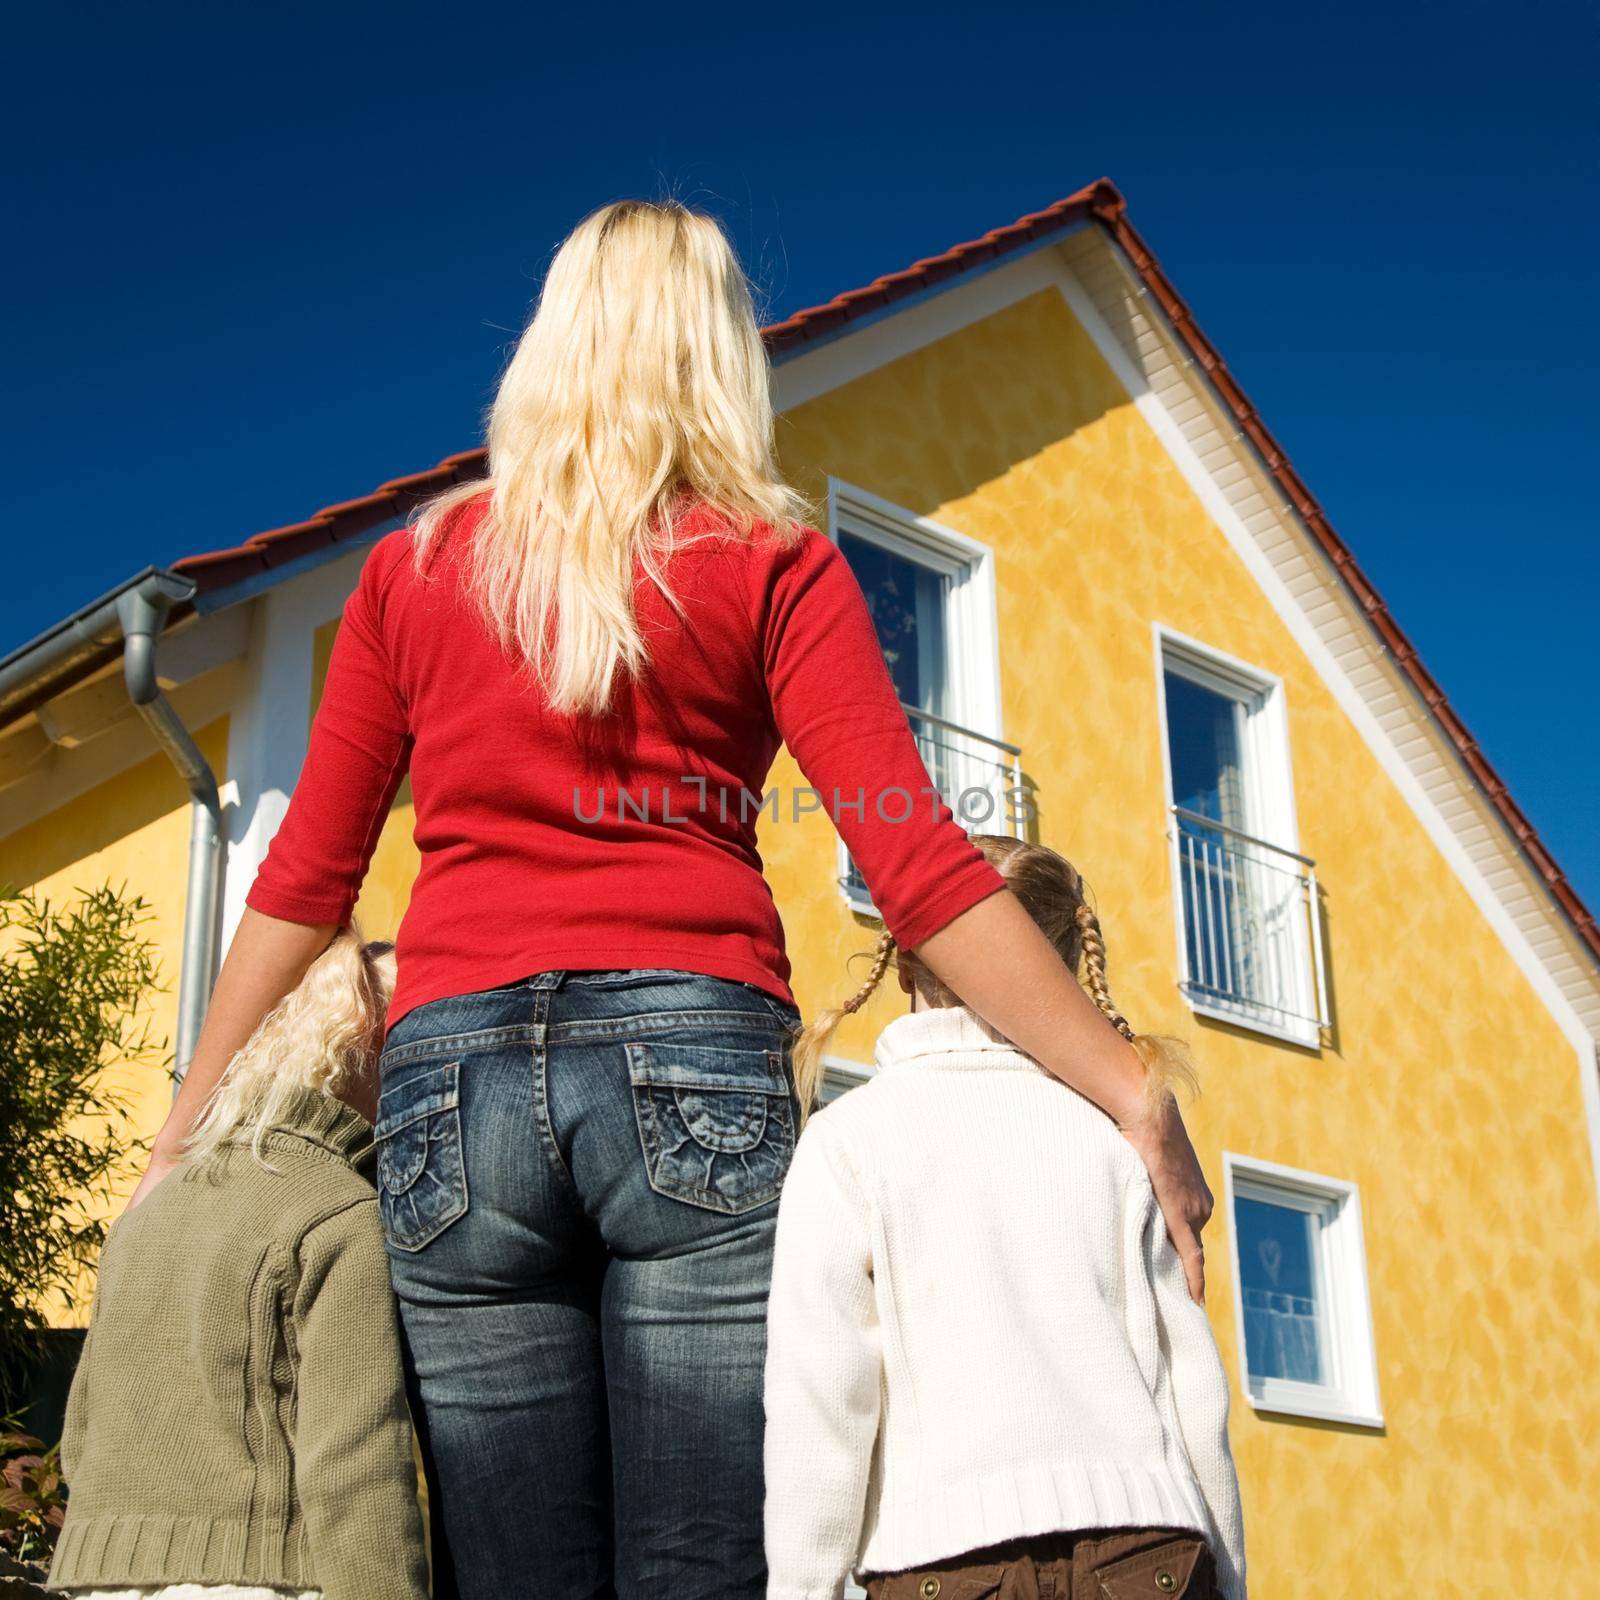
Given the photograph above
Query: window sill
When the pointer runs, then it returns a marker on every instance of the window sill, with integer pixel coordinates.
(1316, 1408)
(1307, 1035)
(860, 903)
(841, 1075)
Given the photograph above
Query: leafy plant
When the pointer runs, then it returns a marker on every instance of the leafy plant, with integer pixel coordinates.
(73, 980)
(33, 1499)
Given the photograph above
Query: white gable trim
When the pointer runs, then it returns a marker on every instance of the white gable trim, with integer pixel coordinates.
(1202, 478)
(816, 372)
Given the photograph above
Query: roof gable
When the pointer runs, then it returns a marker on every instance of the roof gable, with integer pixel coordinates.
(1144, 297)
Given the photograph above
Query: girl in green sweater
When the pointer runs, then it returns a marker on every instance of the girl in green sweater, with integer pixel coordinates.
(237, 1428)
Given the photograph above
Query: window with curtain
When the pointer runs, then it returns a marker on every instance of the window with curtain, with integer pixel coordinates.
(1305, 1328)
(1284, 1301)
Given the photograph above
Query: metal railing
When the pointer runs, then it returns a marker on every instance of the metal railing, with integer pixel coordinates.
(979, 777)
(1252, 926)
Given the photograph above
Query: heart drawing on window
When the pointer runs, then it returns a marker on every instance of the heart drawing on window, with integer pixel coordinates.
(1272, 1258)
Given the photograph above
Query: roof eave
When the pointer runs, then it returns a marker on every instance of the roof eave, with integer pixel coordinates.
(81, 643)
(278, 548)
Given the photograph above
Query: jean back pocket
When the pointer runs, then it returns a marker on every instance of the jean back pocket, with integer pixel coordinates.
(716, 1124)
(422, 1175)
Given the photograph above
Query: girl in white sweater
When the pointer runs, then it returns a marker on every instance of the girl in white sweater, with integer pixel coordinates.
(984, 1369)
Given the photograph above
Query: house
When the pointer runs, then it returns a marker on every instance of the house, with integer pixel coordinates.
(1099, 579)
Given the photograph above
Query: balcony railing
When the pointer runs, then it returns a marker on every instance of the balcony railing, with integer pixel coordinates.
(1252, 928)
(979, 777)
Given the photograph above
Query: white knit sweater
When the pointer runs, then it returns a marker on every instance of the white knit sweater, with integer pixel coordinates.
(978, 1329)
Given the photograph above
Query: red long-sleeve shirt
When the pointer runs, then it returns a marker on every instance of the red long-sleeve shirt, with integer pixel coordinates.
(555, 841)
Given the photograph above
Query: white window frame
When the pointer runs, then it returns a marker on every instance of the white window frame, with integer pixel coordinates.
(1352, 1395)
(840, 1075)
(1269, 800)
(972, 642)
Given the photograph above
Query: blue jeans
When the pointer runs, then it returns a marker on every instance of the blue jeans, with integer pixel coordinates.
(578, 1177)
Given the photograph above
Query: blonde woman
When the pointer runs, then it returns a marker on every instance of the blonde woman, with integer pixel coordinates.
(586, 666)
(237, 1428)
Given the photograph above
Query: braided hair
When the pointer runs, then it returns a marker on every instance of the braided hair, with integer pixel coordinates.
(1093, 977)
(812, 1040)
(1052, 891)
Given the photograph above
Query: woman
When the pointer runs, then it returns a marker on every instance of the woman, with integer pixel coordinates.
(587, 668)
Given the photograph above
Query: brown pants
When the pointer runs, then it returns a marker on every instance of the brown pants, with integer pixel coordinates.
(1107, 1564)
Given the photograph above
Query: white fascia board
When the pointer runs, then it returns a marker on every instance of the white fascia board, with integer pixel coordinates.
(268, 733)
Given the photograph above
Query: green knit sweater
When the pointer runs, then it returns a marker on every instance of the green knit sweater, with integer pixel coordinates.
(238, 1414)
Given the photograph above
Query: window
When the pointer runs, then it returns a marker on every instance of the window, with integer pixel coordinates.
(930, 591)
(909, 602)
(1281, 1289)
(840, 1075)
(1245, 898)
(1207, 732)
(1300, 1292)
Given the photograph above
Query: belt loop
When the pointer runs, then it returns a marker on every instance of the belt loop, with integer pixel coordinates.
(542, 981)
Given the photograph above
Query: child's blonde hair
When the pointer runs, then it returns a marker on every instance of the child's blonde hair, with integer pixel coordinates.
(1053, 893)
(324, 1035)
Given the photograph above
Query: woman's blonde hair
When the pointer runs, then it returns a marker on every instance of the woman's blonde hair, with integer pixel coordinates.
(1053, 893)
(325, 1035)
(638, 391)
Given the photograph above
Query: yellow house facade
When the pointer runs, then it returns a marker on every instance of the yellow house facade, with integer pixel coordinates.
(1098, 581)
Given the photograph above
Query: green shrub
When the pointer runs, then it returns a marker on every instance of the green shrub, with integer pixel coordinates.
(73, 982)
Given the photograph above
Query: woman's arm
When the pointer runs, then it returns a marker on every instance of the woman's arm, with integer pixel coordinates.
(994, 956)
(358, 753)
(834, 703)
(267, 959)
(836, 708)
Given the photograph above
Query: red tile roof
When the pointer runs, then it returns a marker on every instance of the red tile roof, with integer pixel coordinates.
(277, 547)
(1103, 204)
(817, 322)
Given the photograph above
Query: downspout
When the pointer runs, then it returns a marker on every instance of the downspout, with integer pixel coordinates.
(142, 612)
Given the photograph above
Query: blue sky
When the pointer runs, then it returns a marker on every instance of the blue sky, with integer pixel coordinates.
(263, 258)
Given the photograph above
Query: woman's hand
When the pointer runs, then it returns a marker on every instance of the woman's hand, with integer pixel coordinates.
(1185, 1198)
(158, 1167)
